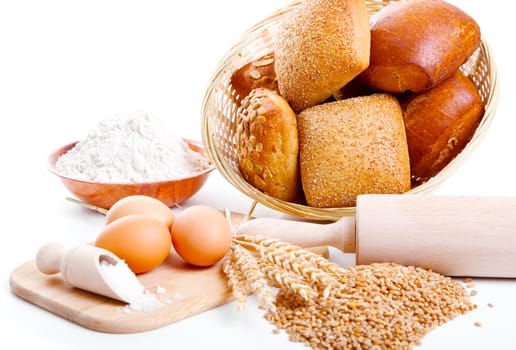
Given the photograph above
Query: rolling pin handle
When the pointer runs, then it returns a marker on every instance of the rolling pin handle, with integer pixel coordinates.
(339, 234)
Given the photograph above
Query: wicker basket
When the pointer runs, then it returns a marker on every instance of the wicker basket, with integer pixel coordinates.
(219, 114)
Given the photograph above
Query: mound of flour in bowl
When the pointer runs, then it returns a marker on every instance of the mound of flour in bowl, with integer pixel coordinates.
(132, 149)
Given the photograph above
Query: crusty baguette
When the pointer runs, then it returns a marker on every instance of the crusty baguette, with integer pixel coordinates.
(319, 47)
(417, 44)
(267, 144)
(351, 147)
(439, 123)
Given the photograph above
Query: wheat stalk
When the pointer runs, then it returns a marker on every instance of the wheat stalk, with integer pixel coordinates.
(236, 280)
(245, 276)
(311, 267)
(254, 277)
(288, 280)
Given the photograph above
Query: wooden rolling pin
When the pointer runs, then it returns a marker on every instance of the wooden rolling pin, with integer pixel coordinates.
(455, 236)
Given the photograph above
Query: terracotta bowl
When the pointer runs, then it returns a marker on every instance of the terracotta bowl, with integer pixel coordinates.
(104, 195)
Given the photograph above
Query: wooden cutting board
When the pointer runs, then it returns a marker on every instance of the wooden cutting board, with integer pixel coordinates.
(189, 291)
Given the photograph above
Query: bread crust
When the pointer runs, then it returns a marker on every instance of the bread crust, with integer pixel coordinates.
(267, 145)
(352, 147)
(417, 44)
(439, 123)
(320, 46)
(255, 74)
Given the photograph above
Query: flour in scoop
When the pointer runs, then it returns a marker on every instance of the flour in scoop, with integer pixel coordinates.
(133, 149)
(124, 283)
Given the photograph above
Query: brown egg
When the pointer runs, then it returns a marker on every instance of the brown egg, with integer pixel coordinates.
(201, 235)
(141, 240)
(139, 204)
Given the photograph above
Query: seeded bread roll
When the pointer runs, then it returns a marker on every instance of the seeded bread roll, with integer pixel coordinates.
(267, 144)
(417, 44)
(255, 74)
(351, 147)
(439, 123)
(320, 46)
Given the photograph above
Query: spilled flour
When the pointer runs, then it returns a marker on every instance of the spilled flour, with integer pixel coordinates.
(124, 283)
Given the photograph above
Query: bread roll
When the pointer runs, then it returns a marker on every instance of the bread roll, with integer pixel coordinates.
(439, 123)
(320, 46)
(267, 144)
(255, 74)
(352, 147)
(417, 44)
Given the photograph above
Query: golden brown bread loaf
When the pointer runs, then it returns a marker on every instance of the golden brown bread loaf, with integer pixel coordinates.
(439, 123)
(319, 47)
(352, 147)
(255, 74)
(417, 44)
(267, 144)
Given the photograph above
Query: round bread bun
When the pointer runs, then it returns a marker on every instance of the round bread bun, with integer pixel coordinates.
(255, 74)
(352, 147)
(417, 44)
(319, 47)
(439, 123)
(267, 144)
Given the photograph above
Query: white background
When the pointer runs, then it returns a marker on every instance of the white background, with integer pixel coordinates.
(66, 65)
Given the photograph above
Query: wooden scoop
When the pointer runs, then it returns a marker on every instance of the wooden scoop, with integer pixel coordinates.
(80, 267)
(455, 236)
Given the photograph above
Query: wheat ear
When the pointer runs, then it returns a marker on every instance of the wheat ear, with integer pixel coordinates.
(311, 267)
(254, 276)
(236, 280)
(288, 280)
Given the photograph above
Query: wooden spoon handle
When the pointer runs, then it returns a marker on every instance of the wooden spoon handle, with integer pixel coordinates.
(340, 234)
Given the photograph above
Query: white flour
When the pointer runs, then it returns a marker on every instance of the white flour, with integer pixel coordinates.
(134, 149)
(125, 284)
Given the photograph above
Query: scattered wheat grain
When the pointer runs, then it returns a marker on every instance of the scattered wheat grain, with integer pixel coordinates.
(382, 305)
(373, 306)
